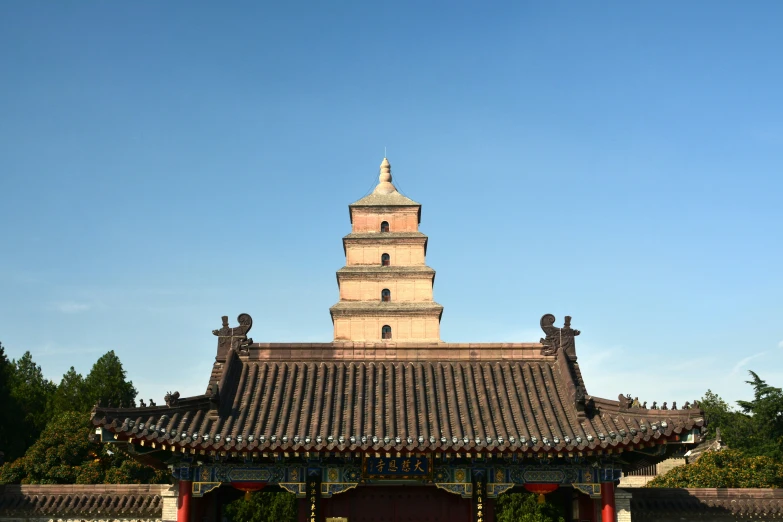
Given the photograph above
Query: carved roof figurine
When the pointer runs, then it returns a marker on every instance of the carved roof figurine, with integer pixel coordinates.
(235, 338)
(654, 406)
(674, 405)
(152, 403)
(580, 394)
(558, 338)
(664, 407)
(142, 404)
(644, 406)
(567, 341)
(213, 394)
(635, 403)
(552, 340)
(171, 398)
(624, 401)
(687, 405)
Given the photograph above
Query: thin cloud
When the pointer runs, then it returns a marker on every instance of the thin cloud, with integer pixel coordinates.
(780, 345)
(71, 307)
(745, 361)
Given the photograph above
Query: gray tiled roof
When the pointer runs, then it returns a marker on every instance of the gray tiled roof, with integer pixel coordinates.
(317, 403)
(96, 500)
(395, 199)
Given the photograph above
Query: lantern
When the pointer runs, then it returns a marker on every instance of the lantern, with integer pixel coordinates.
(541, 490)
(249, 487)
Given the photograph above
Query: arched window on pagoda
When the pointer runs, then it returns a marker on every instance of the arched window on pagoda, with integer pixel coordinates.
(386, 332)
(385, 295)
(384, 226)
(385, 260)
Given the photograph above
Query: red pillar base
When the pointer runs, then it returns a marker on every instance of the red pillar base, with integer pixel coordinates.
(607, 502)
(184, 500)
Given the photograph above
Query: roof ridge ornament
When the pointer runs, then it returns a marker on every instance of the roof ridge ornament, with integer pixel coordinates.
(558, 338)
(236, 337)
(171, 398)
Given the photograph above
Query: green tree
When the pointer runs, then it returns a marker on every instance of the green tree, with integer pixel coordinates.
(757, 429)
(33, 393)
(64, 454)
(71, 394)
(107, 382)
(12, 441)
(728, 468)
(765, 436)
(524, 507)
(263, 507)
(717, 413)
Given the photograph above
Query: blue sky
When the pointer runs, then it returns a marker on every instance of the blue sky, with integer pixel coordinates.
(163, 164)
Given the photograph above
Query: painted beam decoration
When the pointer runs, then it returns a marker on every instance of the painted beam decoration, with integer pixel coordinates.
(401, 468)
(455, 477)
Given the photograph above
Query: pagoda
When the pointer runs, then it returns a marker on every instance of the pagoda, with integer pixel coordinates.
(386, 421)
(386, 285)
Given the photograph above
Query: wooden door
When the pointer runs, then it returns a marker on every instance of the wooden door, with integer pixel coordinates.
(398, 504)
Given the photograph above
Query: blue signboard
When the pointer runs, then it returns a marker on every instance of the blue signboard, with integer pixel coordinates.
(412, 467)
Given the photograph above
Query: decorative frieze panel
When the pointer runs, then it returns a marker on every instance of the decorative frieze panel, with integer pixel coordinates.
(494, 489)
(297, 488)
(464, 490)
(202, 488)
(242, 473)
(593, 490)
(455, 477)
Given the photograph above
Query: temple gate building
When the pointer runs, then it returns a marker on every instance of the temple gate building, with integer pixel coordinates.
(389, 423)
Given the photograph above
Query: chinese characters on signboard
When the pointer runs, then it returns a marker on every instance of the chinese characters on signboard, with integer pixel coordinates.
(479, 496)
(313, 500)
(412, 467)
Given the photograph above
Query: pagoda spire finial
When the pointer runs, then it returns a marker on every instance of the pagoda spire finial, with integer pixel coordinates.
(385, 179)
(385, 171)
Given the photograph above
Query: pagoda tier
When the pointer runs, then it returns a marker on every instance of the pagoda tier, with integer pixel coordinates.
(385, 285)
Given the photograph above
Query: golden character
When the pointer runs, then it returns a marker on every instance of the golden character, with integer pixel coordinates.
(418, 467)
(393, 465)
(379, 466)
(406, 465)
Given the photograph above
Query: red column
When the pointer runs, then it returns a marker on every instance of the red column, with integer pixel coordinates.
(184, 500)
(607, 502)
